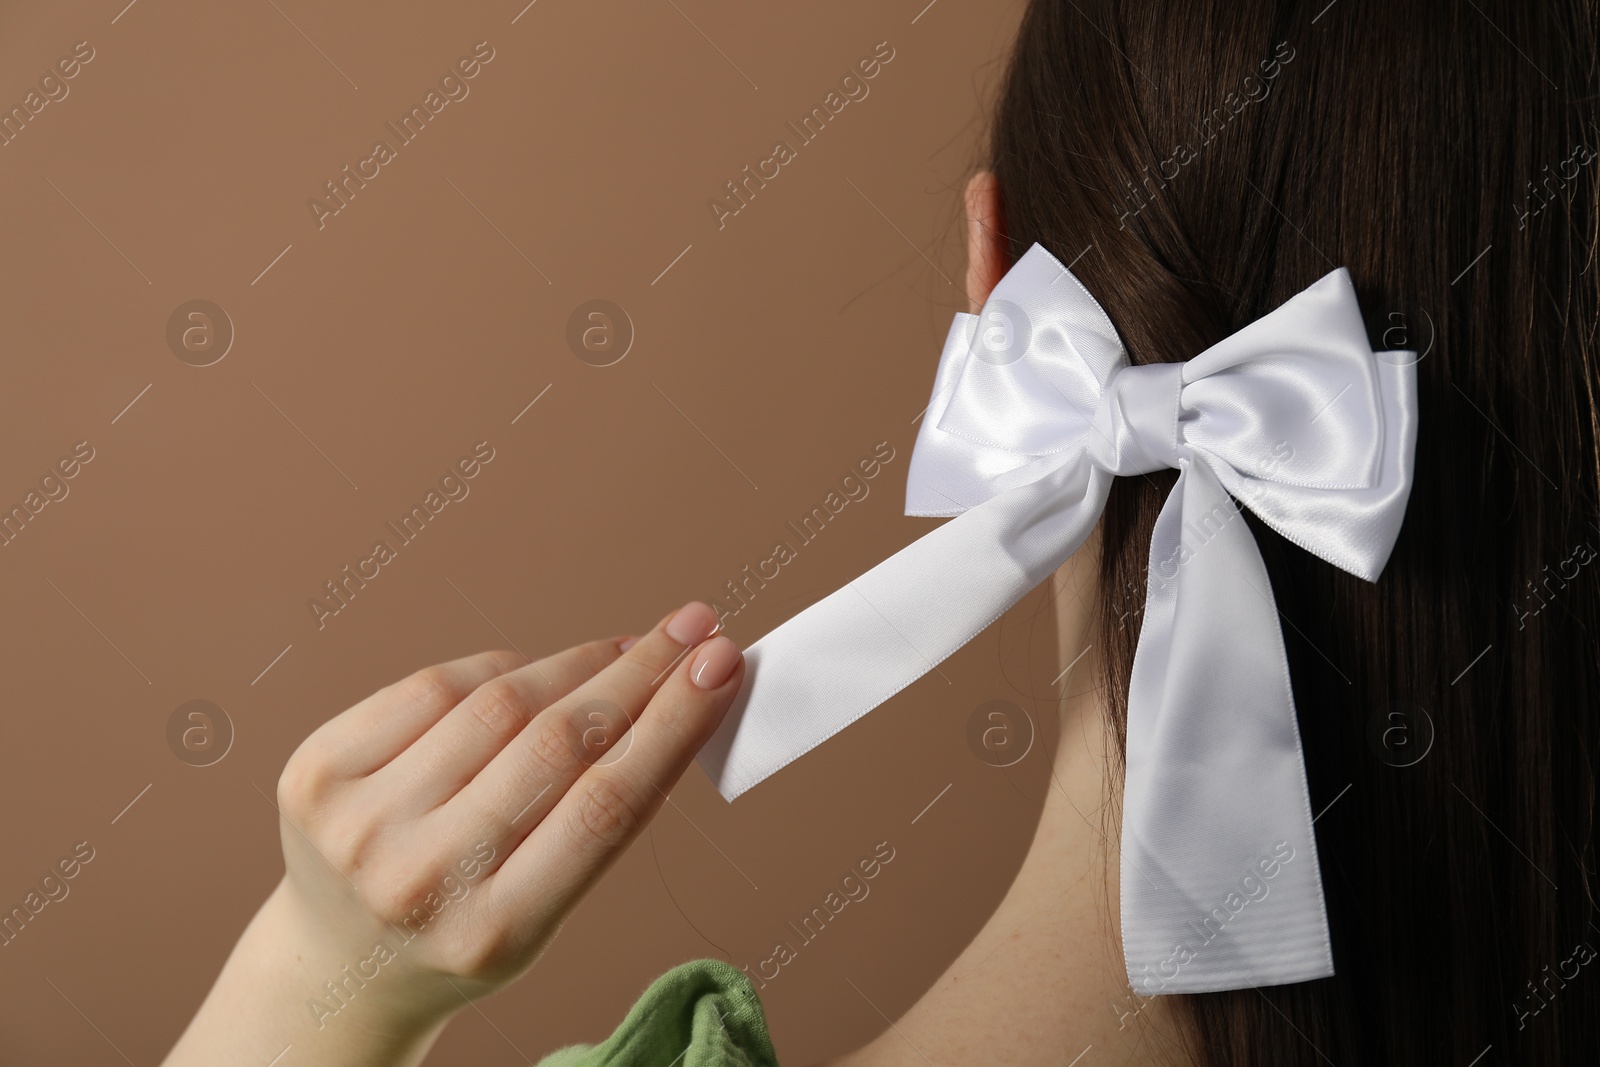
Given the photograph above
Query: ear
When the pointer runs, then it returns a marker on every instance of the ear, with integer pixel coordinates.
(985, 238)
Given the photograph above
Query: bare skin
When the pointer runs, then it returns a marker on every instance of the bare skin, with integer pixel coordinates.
(436, 835)
(455, 818)
(1043, 980)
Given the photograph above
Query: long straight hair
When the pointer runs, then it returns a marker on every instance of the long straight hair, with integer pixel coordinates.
(1201, 162)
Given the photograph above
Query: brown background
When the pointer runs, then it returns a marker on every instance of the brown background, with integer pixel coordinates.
(372, 355)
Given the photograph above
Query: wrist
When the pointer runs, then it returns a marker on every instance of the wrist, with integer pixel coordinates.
(286, 985)
(357, 975)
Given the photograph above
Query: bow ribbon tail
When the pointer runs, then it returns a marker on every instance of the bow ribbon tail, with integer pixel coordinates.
(843, 656)
(1220, 883)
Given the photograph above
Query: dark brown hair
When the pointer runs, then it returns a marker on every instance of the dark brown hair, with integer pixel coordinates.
(1201, 162)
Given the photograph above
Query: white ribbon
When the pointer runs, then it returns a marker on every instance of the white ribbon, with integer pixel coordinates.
(1035, 409)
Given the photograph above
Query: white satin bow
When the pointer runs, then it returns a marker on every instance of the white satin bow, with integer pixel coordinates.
(1035, 409)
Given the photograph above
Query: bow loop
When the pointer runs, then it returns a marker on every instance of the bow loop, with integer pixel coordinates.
(1297, 416)
(1036, 360)
(1302, 380)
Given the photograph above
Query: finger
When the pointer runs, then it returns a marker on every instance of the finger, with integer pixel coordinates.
(593, 723)
(377, 729)
(611, 803)
(455, 749)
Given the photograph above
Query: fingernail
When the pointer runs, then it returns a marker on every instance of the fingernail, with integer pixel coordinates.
(714, 664)
(693, 623)
(627, 643)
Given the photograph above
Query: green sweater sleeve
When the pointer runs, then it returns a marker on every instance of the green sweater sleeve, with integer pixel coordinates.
(704, 1013)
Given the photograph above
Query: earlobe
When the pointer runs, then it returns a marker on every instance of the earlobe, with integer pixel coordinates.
(985, 238)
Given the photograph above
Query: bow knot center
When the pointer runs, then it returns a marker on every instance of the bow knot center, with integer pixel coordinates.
(1136, 428)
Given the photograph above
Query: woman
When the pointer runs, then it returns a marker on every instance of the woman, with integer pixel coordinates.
(1198, 164)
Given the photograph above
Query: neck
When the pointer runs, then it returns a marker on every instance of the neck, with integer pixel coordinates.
(1044, 979)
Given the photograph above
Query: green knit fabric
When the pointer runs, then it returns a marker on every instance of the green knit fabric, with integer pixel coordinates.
(704, 1013)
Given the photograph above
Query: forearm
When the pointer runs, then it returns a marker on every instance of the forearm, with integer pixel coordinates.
(272, 1005)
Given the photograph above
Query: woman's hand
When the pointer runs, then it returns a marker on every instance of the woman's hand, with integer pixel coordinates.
(437, 834)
